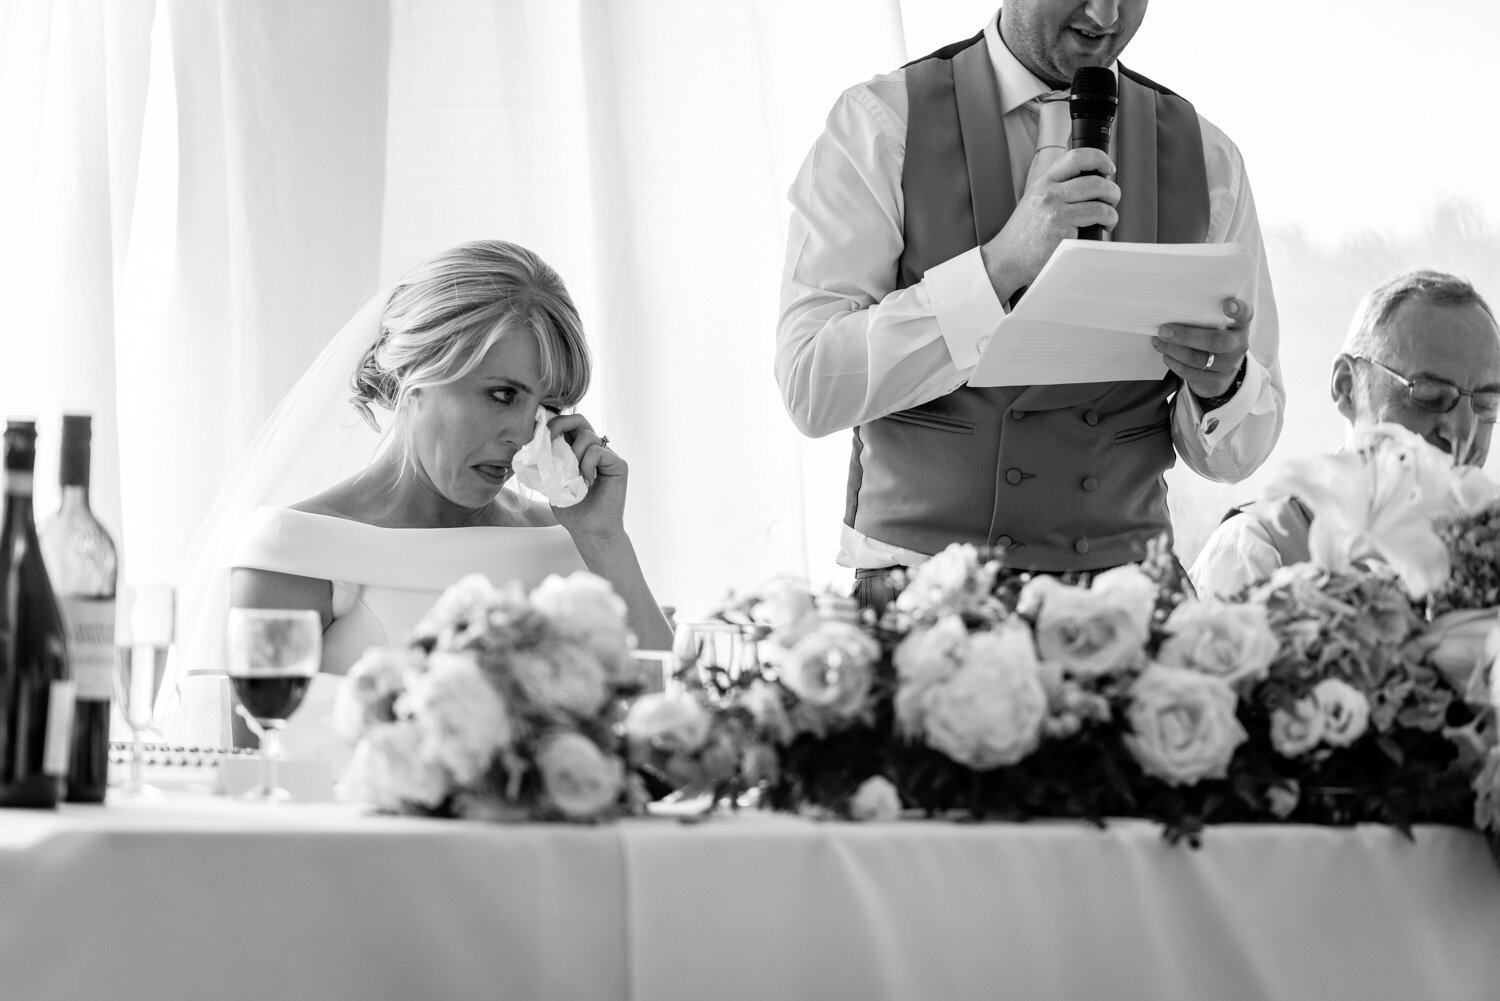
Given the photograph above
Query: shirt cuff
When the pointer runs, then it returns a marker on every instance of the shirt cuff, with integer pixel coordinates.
(965, 306)
(1218, 424)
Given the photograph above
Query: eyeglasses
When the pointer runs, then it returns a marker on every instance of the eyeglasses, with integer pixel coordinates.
(1438, 396)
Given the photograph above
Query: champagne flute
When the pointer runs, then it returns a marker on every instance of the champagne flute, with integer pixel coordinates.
(272, 656)
(145, 621)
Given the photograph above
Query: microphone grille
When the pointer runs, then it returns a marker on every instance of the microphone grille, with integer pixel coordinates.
(1094, 81)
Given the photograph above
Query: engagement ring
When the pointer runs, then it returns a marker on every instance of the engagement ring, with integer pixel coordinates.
(604, 442)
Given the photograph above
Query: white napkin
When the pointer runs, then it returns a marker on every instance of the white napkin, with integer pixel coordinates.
(548, 466)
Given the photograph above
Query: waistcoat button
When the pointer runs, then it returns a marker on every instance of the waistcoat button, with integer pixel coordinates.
(1090, 483)
(1004, 542)
(1091, 417)
(1016, 415)
(1012, 476)
(1081, 546)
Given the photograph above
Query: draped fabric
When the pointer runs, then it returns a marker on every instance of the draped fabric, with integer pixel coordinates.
(741, 908)
(205, 191)
(73, 81)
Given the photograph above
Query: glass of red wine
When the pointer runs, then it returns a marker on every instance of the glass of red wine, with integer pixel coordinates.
(273, 654)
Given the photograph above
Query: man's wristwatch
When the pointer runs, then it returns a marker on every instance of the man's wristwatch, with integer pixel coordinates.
(1215, 402)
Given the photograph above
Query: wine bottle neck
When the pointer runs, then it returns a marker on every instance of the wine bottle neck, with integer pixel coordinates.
(18, 484)
(75, 497)
(74, 467)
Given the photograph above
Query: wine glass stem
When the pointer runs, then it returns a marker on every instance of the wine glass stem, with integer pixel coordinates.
(135, 761)
(270, 751)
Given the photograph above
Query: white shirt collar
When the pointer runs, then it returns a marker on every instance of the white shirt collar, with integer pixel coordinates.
(1017, 83)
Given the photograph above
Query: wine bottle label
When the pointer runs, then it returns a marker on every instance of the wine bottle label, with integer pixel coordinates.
(91, 644)
(59, 729)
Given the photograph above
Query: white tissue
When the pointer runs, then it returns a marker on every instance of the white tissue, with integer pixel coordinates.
(548, 466)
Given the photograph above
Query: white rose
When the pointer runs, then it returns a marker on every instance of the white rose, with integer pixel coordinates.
(785, 607)
(578, 778)
(668, 722)
(1283, 797)
(1228, 641)
(1184, 725)
(830, 669)
(1130, 588)
(561, 677)
(462, 719)
(929, 654)
(585, 608)
(1345, 710)
(924, 657)
(1072, 697)
(990, 712)
(366, 694)
(388, 771)
(875, 799)
(459, 611)
(1061, 726)
(953, 580)
(763, 701)
(1084, 632)
(1299, 731)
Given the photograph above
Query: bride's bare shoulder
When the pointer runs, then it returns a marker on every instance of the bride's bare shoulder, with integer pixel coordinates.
(360, 499)
(525, 511)
(349, 499)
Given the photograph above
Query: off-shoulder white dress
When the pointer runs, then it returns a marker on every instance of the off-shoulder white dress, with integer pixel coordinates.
(384, 581)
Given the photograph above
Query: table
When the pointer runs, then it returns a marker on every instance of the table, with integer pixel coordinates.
(205, 898)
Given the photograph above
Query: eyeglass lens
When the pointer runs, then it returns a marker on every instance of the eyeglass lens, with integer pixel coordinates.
(1441, 397)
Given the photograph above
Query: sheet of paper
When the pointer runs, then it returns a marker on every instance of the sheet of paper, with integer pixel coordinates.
(1091, 313)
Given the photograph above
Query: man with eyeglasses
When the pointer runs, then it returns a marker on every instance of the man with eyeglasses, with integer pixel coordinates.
(1423, 352)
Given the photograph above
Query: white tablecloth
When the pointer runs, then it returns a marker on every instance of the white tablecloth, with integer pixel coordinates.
(210, 899)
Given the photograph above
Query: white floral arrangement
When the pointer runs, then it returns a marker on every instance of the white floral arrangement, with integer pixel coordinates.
(506, 706)
(1317, 696)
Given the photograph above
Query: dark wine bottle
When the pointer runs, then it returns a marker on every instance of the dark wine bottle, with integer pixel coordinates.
(81, 562)
(36, 684)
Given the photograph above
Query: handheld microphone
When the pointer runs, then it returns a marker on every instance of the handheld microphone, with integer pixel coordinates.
(1092, 108)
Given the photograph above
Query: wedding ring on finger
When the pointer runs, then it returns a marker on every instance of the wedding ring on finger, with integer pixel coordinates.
(1210, 363)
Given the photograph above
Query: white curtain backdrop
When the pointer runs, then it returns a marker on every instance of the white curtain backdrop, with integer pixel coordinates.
(195, 194)
(206, 190)
(72, 97)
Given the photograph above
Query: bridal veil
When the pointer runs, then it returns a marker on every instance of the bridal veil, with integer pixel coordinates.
(312, 440)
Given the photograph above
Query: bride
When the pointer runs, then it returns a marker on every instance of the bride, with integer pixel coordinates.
(367, 522)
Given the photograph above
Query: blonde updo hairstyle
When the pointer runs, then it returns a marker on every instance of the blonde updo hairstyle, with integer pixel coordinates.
(448, 311)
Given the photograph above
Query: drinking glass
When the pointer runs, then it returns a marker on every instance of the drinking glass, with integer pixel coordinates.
(273, 654)
(717, 651)
(655, 670)
(145, 622)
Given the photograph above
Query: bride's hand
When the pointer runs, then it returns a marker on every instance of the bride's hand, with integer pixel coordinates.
(602, 510)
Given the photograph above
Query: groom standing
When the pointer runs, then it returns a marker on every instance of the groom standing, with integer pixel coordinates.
(928, 202)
